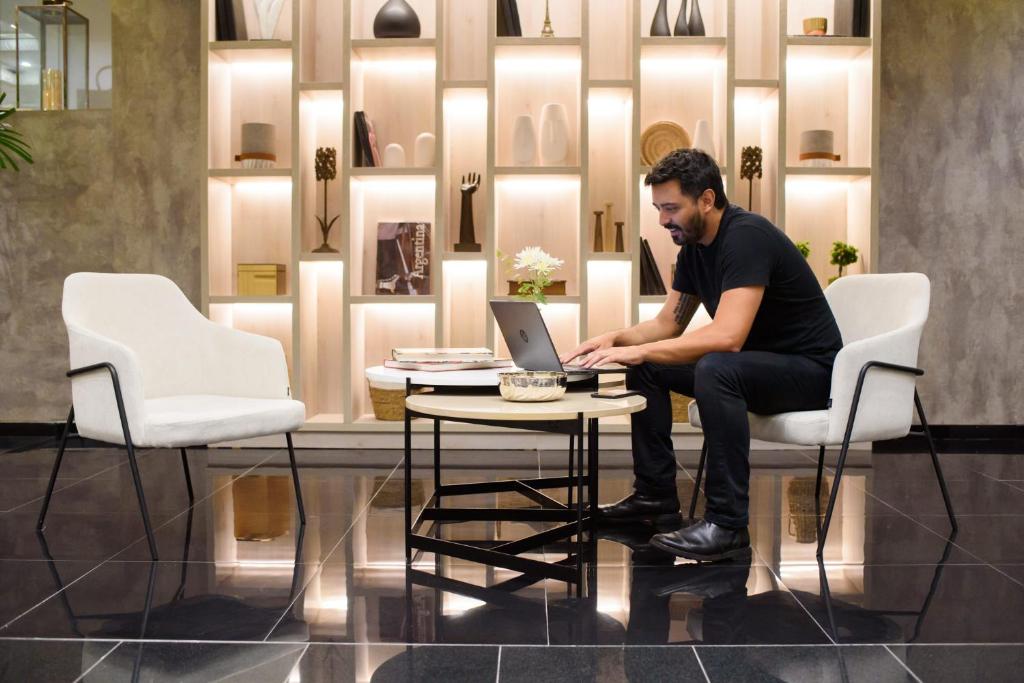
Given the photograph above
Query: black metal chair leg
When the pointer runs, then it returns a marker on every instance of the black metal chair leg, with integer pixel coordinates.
(56, 468)
(188, 476)
(835, 494)
(817, 480)
(142, 498)
(935, 462)
(295, 479)
(700, 475)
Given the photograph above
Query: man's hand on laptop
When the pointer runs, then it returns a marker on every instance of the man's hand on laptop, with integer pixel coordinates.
(603, 341)
(624, 355)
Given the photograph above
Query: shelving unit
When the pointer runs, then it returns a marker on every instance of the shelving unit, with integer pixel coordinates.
(750, 77)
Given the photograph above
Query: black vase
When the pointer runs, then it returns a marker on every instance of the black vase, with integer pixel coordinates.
(681, 28)
(396, 19)
(659, 25)
(696, 24)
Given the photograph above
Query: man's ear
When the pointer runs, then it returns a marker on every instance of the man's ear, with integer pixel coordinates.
(707, 200)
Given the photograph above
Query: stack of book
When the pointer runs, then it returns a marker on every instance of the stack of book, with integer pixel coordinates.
(441, 360)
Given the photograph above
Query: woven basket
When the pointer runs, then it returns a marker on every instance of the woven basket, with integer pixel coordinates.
(803, 521)
(388, 403)
(680, 408)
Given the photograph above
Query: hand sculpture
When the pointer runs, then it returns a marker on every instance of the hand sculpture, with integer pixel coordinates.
(467, 236)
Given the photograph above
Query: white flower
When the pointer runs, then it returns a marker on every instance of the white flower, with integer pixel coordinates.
(537, 260)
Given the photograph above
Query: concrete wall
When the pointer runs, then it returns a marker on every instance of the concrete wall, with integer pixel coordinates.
(952, 195)
(110, 190)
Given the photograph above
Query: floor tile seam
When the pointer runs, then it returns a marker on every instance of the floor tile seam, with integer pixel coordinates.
(355, 518)
(707, 679)
(235, 674)
(981, 560)
(85, 574)
(192, 506)
(497, 674)
(902, 663)
(99, 661)
(782, 583)
(1011, 578)
(124, 463)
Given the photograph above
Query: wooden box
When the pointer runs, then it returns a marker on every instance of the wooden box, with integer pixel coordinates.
(261, 279)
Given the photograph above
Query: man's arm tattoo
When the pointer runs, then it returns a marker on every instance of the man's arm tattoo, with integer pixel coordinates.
(687, 306)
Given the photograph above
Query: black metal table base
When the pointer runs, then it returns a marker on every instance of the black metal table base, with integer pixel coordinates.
(571, 535)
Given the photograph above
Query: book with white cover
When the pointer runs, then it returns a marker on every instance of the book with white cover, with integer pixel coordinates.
(448, 365)
(462, 354)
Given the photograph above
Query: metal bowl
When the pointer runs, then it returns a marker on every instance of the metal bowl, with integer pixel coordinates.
(526, 385)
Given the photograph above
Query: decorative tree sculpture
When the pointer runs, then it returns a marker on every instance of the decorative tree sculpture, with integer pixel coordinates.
(750, 168)
(326, 170)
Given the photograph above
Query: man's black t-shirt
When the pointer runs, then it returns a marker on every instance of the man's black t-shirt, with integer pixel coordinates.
(748, 250)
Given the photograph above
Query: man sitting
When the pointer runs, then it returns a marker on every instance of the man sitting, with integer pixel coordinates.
(769, 349)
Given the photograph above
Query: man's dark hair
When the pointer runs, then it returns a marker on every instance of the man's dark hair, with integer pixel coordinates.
(695, 170)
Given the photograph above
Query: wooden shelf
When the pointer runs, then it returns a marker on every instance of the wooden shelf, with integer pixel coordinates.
(233, 175)
(757, 83)
(230, 45)
(464, 256)
(830, 172)
(536, 170)
(505, 41)
(752, 81)
(379, 171)
(309, 257)
(552, 299)
(320, 86)
(392, 300)
(282, 299)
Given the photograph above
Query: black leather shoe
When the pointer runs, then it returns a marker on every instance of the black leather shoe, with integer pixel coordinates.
(705, 542)
(663, 512)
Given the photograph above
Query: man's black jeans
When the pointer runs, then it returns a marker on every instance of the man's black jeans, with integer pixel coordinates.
(726, 386)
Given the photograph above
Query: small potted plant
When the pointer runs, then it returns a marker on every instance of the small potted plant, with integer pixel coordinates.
(537, 265)
(12, 142)
(843, 255)
(804, 248)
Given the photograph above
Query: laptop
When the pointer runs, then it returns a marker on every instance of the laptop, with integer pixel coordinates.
(529, 342)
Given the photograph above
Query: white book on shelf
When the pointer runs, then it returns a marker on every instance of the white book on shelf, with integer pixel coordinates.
(457, 354)
(448, 365)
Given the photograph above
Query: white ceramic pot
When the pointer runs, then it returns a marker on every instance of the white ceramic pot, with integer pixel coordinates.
(554, 135)
(703, 139)
(423, 152)
(524, 141)
(394, 156)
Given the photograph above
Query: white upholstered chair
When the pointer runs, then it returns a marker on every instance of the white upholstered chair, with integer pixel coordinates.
(148, 370)
(873, 394)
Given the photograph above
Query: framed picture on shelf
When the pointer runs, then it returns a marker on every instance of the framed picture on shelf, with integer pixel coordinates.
(403, 258)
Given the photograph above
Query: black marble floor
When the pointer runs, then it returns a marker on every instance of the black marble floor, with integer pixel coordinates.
(240, 594)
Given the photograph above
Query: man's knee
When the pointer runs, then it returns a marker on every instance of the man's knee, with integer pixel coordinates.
(714, 368)
(639, 376)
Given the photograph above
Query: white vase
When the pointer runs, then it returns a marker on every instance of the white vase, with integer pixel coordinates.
(423, 152)
(703, 139)
(524, 141)
(267, 14)
(554, 135)
(394, 156)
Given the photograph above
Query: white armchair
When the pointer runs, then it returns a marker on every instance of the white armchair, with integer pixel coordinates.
(147, 369)
(873, 392)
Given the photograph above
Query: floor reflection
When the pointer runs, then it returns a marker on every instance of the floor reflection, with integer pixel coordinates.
(238, 567)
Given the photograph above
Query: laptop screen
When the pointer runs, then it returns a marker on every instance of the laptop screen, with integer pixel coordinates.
(526, 335)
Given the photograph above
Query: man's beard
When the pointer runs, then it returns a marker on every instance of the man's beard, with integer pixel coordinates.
(691, 234)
